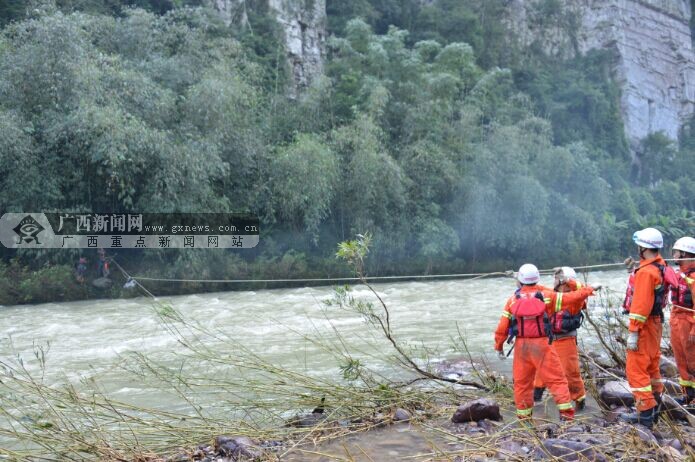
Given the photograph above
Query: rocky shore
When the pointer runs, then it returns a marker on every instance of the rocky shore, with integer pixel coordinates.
(485, 428)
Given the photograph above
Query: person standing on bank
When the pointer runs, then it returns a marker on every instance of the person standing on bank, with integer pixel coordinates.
(646, 300)
(527, 318)
(682, 321)
(565, 325)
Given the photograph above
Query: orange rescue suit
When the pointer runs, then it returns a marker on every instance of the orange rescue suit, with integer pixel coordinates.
(642, 366)
(536, 354)
(566, 347)
(682, 325)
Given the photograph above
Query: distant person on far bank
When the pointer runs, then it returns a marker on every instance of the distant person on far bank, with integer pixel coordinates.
(81, 270)
(103, 271)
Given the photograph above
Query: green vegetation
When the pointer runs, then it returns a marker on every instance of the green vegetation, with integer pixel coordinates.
(455, 148)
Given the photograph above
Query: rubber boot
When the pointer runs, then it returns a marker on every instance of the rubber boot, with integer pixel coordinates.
(567, 415)
(538, 394)
(645, 418)
(580, 404)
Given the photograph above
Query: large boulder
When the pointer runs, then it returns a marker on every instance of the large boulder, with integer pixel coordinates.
(476, 410)
(567, 450)
(616, 393)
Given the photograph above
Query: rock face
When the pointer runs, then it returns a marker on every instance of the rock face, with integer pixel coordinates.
(651, 38)
(304, 25)
(231, 11)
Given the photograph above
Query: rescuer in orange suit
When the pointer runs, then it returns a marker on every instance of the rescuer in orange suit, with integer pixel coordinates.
(565, 339)
(682, 320)
(527, 316)
(646, 301)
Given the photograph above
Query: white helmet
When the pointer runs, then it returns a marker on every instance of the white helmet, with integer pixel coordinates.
(528, 274)
(648, 238)
(685, 244)
(568, 273)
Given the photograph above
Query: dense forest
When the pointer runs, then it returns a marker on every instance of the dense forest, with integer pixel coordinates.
(455, 148)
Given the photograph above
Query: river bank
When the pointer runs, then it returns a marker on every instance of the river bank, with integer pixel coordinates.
(21, 283)
(481, 429)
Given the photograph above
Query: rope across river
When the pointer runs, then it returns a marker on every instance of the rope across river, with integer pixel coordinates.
(369, 278)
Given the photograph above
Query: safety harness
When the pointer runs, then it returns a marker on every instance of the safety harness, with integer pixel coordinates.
(564, 323)
(681, 294)
(660, 294)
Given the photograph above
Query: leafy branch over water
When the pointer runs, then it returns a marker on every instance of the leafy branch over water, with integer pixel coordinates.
(354, 252)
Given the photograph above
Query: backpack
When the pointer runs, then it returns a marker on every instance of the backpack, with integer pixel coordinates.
(529, 316)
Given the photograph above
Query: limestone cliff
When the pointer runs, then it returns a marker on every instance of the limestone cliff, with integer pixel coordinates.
(303, 23)
(655, 67)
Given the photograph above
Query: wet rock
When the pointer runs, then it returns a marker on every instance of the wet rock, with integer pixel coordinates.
(476, 410)
(548, 429)
(272, 445)
(672, 388)
(672, 454)
(616, 393)
(672, 409)
(179, 458)
(401, 415)
(644, 434)
(567, 451)
(595, 422)
(237, 447)
(487, 425)
(668, 367)
(613, 416)
(575, 429)
(594, 440)
(380, 420)
(306, 420)
(674, 443)
(509, 448)
(474, 430)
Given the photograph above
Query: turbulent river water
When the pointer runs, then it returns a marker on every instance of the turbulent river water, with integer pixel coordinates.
(89, 339)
